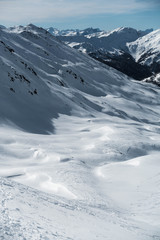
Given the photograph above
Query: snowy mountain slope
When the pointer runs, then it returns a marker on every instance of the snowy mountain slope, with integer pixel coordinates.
(146, 50)
(80, 164)
(34, 65)
(108, 47)
(106, 134)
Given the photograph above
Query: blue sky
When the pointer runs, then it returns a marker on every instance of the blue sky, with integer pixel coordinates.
(63, 14)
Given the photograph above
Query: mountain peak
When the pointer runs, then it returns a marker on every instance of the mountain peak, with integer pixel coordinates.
(91, 30)
(3, 27)
(31, 25)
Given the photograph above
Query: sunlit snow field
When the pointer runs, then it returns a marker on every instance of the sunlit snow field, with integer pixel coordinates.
(93, 164)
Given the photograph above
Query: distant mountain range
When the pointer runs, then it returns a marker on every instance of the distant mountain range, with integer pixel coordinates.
(135, 53)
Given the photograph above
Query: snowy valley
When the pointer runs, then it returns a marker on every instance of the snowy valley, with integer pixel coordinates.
(79, 143)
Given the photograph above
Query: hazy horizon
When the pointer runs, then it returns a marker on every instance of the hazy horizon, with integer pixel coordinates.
(69, 14)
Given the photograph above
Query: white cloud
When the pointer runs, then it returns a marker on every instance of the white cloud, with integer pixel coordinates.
(17, 11)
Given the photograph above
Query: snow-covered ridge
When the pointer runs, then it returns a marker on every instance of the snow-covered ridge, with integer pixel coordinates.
(146, 50)
(73, 32)
(95, 32)
(40, 70)
(108, 41)
(1, 26)
(112, 45)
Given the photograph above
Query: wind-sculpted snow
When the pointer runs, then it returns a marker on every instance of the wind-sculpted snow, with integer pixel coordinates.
(105, 198)
(95, 175)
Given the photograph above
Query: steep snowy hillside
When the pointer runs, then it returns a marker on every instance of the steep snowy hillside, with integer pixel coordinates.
(146, 50)
(39, 72)
(79, 145)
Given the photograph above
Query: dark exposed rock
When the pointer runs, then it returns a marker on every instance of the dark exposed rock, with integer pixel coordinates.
(11, 89)
(125, 63)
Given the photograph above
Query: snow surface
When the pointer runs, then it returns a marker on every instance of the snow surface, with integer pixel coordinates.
(146, 50)
(155, 79)
(79, 157)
